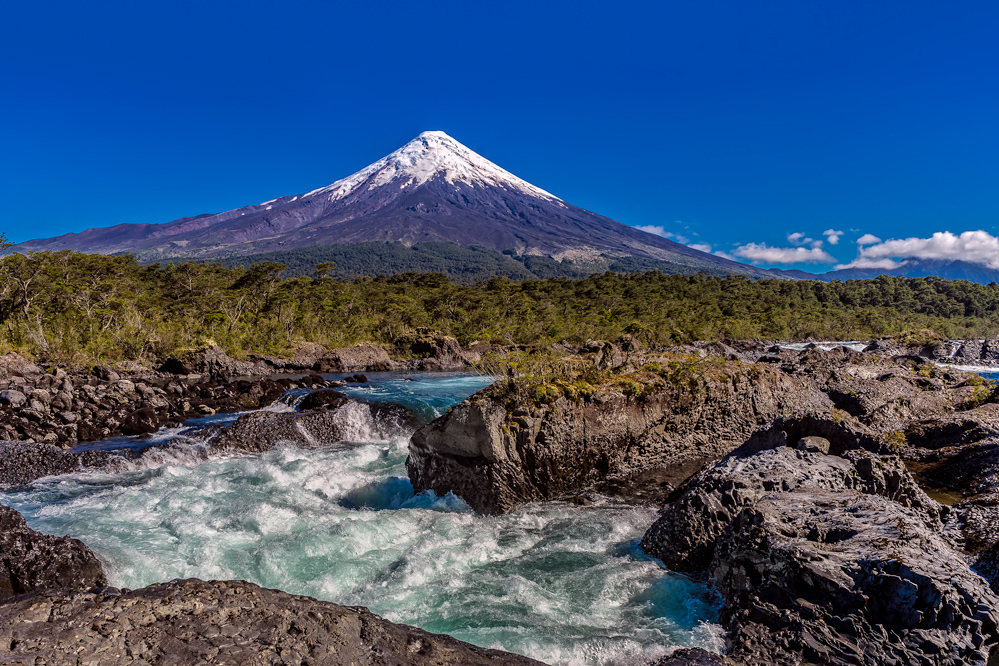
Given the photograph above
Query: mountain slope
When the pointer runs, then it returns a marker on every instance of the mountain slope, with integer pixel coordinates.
(433, 189)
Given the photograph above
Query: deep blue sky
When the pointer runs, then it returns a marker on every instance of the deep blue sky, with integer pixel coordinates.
(740, 122)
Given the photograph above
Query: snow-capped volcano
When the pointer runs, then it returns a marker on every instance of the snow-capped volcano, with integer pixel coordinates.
(428, 156)
(432, 189)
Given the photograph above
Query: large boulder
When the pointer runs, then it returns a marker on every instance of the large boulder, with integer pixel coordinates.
(339, 420)
(359, 358)
(844, 577)
(23, 462)
(686, 533)
(12, 398)
(305, 356)
(434, 350)
(215, 363)
(496, 455)
(32, 561)
(14, 365)
(218, 622)
(831, 559)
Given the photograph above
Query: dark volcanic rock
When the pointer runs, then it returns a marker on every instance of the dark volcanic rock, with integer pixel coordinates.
(690, 657)
(23, 462)
(686, 532)
(227, 622)
(14, 365)
(495, 459)
(360, 358)
(13, 398)
(325, 398)
(436, 350)
(140, 421)
(848, 578)
(827, 559)
(32, 561)
(350, 420)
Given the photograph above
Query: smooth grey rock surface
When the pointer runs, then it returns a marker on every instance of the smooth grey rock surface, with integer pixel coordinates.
(13, 398)
(188, 622)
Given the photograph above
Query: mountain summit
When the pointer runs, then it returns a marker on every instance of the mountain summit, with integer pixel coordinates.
(432, 189)
(427, 157)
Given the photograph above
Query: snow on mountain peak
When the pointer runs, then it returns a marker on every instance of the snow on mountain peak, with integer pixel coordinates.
(430, 155)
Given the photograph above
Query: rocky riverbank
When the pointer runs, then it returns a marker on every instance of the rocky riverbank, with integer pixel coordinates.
(64, 407)
(827, 552)
(813, 529)
(785, 478)
(511, 444)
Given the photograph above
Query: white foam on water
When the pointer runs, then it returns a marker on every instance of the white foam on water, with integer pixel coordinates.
(980, 369)
(563, 584)
(287, 402)
(826, 345)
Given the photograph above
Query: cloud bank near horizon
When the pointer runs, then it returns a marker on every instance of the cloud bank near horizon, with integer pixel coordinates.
(761, 253)
(976, 247)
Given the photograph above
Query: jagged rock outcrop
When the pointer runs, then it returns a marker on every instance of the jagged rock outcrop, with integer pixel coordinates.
(832, 559)
(214, 363)
(685, 534)
(26, 461)
(32, 561)
(434, 351)
(14, 365)
(848, 578)
(64, 410)
(218, 622)
(495, 459)
(359, 358)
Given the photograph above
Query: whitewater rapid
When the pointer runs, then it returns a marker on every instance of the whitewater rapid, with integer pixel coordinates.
(560, 583)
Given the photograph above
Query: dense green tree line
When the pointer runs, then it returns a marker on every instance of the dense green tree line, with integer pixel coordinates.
(465, 265)
(77, 308)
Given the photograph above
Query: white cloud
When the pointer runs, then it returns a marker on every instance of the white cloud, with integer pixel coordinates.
(977, 247)
(816, 244)
(833, 236)
(883, 264)
(725, 255)
(868, 239)
(658, 230)
(761, 253)
(796, 238)
(703, 247)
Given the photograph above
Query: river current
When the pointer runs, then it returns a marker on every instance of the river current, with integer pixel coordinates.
(563, 584)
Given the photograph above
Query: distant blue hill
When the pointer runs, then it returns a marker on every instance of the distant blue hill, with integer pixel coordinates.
(915, 268)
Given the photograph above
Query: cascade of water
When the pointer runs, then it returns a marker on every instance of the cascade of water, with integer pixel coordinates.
(564, 584)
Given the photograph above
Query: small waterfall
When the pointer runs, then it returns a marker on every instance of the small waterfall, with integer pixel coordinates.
(288, 402)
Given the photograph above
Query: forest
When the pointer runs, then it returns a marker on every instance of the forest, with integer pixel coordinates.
(464, 265)
(79, 309)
